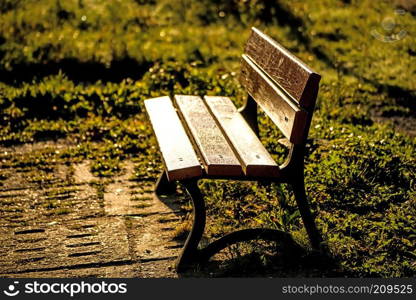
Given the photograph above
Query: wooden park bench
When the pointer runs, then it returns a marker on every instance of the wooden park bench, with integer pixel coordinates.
(210, 138)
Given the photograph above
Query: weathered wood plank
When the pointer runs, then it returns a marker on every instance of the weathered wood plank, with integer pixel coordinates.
(294, 76)
(284, 113)
(254, 158)
(177, 151)
(218, 156)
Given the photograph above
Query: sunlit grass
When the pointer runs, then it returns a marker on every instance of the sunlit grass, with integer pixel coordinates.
(79, 70)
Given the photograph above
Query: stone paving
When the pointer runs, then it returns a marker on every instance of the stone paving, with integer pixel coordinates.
(62, 226)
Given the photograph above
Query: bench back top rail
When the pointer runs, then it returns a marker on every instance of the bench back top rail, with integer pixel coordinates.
(281, 84)
(289, 72)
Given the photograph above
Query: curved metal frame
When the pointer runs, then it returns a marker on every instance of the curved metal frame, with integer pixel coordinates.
(191, 255)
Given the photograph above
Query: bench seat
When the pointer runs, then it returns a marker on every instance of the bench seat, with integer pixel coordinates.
(207, 136)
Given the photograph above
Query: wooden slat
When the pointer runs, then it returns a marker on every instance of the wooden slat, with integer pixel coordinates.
(295, 77)
(177, 151)
(254, 158)
(284, 113)
(218, 156)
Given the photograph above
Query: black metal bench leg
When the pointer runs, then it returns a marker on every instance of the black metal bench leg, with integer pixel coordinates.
(163, 186)
(307, 217)
(190, 252)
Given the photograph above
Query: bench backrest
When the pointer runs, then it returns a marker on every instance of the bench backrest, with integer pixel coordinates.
(281, 84)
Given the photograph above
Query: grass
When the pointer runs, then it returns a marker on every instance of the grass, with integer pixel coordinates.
(79, 70)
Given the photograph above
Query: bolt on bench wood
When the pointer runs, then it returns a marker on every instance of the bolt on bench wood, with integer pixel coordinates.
(210, 138)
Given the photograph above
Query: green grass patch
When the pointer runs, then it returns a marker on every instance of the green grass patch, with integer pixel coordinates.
(79, 70)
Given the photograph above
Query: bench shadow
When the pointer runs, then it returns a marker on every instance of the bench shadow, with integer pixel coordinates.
(263, 263)
(172, 195)
(264, 259)
(172, 201)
